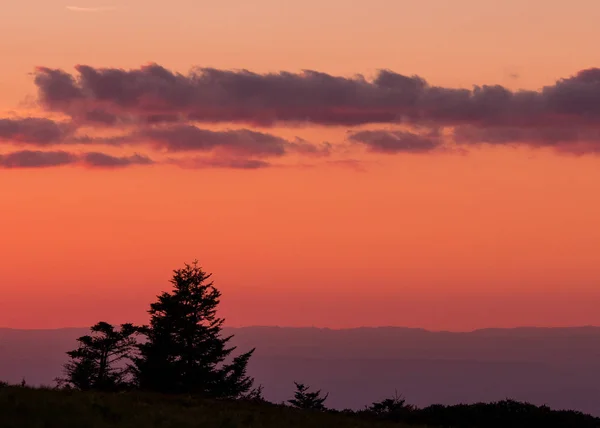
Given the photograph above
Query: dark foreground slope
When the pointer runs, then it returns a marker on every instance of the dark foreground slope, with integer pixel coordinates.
(22, 407)
(28, 408)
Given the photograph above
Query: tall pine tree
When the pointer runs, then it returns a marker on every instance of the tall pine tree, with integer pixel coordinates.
(185, 351)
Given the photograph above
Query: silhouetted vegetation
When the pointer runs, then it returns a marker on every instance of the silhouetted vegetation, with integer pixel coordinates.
(255, 395)
(393, 409)
(181, 351)
(101, 360)
(304, 399)
(35, 408)
(179, 371)
(24, 407)
(501, 414)
(184, 351)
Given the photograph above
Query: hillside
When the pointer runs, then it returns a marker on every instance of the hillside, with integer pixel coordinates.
(23, 407)
(28, 408)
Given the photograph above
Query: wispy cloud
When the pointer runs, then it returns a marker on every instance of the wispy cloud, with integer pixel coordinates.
(381, 141)
(102, 160)
(91, 9)
(46, 159)
(36, 159)
(36, 131)
(199, 162)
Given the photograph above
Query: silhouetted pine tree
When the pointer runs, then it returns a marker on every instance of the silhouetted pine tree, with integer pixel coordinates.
(307, 400)
(184, 351)
(100, 361)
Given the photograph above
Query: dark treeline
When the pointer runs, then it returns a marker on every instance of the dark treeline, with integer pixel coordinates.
(182, 351)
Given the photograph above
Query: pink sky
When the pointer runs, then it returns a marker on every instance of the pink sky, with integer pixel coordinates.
(353, 232)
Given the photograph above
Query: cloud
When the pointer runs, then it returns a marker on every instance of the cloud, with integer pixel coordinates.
(36, 159)
(32, 130)
(235, 142)
(47, 159)
(237, 148)
(172, 138)
(99, 117)
(102, 160)
(217, 162)
(395, 141)
(90, 9)
(165, 107)
(117, 140)
(212, 95)
(185, 138)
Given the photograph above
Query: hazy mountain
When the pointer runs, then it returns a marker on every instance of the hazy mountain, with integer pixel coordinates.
(555, 366)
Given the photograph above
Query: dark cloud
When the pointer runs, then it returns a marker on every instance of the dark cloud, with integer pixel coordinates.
(211, 95)
(36, 159)
(184, 138)
(46, 159)
(117, 140)
(395, 141)
(98, 116)
(102, 160)
(172, 138)
(562, 114)
(32, 130)
(57, 88)
(236, 142)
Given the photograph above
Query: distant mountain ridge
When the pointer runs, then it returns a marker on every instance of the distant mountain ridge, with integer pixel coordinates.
(555, 366)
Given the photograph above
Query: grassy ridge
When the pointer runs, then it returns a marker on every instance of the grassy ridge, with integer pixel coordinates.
(47, 408)
(22, 407)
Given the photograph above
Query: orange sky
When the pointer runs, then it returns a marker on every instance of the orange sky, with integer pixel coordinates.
(498, 236)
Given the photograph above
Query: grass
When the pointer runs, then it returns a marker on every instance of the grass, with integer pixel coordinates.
(22, 407)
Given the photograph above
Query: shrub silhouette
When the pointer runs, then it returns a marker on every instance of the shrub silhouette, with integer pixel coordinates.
(255, 395)
(184, 351)
(394, 408)
(500, 414)
(100, 361)
(307, 400)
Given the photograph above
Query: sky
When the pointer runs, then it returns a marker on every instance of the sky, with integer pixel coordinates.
(334, 164)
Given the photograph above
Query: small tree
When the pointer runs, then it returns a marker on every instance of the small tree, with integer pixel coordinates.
(100, 361)
(184, 351)
(307, 400)
(394, 408)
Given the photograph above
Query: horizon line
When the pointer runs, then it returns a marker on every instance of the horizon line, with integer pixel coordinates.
(307, 327)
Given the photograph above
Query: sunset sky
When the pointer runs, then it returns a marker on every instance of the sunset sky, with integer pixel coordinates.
(429, 164)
